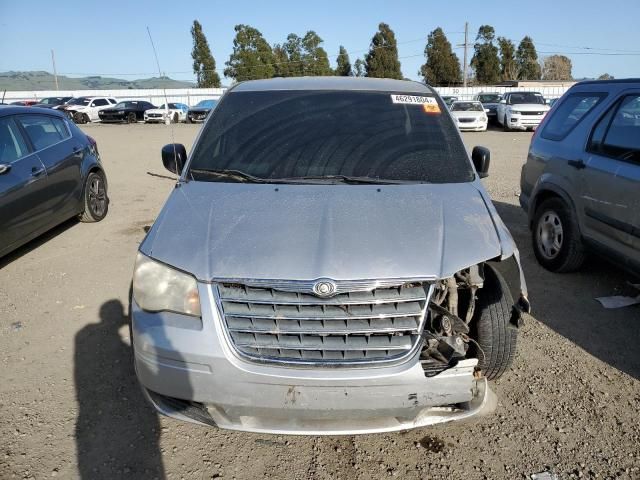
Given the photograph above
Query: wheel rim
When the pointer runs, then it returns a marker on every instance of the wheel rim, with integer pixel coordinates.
(549, 235)
(97, 196)
(132, 117)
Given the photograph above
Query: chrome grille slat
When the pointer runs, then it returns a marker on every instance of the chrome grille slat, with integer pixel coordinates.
(267, 324)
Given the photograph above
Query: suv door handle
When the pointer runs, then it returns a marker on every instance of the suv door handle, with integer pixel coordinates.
(35, 172)
(579, 164)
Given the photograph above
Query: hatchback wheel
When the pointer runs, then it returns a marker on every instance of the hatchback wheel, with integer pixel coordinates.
(556, 237)
(96, 201)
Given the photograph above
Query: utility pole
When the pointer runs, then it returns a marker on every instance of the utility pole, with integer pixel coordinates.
(466, 44)
(55, 73)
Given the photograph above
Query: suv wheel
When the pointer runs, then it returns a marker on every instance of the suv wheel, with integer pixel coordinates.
(495, 333)
(556, 237)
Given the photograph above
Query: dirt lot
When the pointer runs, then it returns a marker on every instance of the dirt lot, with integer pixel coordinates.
(70, 406)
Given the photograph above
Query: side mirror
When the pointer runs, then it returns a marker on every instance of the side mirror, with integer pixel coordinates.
(481, 158)
(174, 156)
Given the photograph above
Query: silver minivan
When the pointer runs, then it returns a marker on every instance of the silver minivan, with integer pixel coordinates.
(581, 182)
(328, 263)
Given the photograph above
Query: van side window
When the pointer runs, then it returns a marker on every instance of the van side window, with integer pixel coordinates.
(617, 134)
(569, 113)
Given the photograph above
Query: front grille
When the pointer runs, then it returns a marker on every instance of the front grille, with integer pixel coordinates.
(532, 113)
(466, 120)
(154, 115)
(269, 325)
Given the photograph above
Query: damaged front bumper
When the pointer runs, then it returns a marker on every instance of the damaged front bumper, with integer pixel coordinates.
(196, 376)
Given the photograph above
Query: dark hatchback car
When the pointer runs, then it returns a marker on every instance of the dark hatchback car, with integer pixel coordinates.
(581, 182)
(50, 171)
(51, 102)
(130, 111)
(200, 111)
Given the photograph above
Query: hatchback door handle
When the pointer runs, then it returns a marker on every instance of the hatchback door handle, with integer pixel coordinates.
(4, 168)
(36, 172)
(579, 164)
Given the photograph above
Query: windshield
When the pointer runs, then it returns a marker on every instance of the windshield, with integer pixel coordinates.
(467, 107)
(489, 98)
(520, 98)
(122, 105)
(51, 101)
(79, 101)
(296, 134)
(206, 103)
(170, 105)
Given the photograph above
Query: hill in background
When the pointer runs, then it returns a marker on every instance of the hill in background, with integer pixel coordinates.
(12, 81)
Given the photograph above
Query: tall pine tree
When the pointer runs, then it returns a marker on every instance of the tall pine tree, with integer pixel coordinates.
(252, 57)
(314, 58)
(485, 59)
(359, 68)
(382, 60)
(344, 64)
(527, 59)
(508, 65)
(442, 66)
(204, 65)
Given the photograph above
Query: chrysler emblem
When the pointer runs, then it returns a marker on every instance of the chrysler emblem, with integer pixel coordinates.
(324, 288)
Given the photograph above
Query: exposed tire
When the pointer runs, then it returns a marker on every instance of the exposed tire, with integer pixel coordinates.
(505, 125)
(492, 327)
(96, 201)
(189, 119)
(556, 237)
(131, 118)
(176, 118)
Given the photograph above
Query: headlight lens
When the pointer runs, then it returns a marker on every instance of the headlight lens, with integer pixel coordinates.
(157, 287)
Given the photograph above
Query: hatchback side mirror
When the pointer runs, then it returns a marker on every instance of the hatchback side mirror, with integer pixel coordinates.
(481, 158)
(174, 156)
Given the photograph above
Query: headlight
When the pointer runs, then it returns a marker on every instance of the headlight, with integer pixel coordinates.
(483, 118)
(157, 287)
(515, 112)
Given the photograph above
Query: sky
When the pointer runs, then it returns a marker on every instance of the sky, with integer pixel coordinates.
(110, 38)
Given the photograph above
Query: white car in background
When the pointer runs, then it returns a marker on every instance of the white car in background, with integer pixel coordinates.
(469, 115)
(85, 109)
(521, 110)
(175, 112)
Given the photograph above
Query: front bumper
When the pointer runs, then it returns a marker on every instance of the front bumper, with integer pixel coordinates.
(477, 126)
(112, 118)
(524, 122)
(187, 362)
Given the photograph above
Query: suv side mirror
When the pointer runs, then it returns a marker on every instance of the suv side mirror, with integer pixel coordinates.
(481, 158)
(174, 156)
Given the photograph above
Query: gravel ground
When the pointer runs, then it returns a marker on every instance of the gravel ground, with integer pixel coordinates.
(70, 406)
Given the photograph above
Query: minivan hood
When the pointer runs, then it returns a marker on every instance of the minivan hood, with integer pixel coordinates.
(304, 232)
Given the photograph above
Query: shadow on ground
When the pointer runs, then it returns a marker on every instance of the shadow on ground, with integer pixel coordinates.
(566, 302)
(37, 242)
(117, 431)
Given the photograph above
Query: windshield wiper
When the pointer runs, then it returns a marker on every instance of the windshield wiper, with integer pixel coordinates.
(345, 179)
(230, 174)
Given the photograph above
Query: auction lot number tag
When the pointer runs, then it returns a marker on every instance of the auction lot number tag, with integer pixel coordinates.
(413, 100)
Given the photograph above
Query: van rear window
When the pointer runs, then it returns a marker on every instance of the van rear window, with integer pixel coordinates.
(293, 134)
(569, 113)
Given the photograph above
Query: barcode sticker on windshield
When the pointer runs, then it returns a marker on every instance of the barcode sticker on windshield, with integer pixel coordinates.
(413, 100)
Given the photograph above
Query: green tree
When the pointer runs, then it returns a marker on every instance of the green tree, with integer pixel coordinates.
(281, 59)
(508, 64)
(314, 58)
(527, 59)
(485, 59)
(359, 68)
(293, 47)
(204, 65)
(344, 64)
(605, 76)
(252, 56)
(442, 66)
(382, 60)
(557, 67)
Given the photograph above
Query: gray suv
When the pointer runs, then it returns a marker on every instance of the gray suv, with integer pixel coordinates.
(328, 263)
(581, 182)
